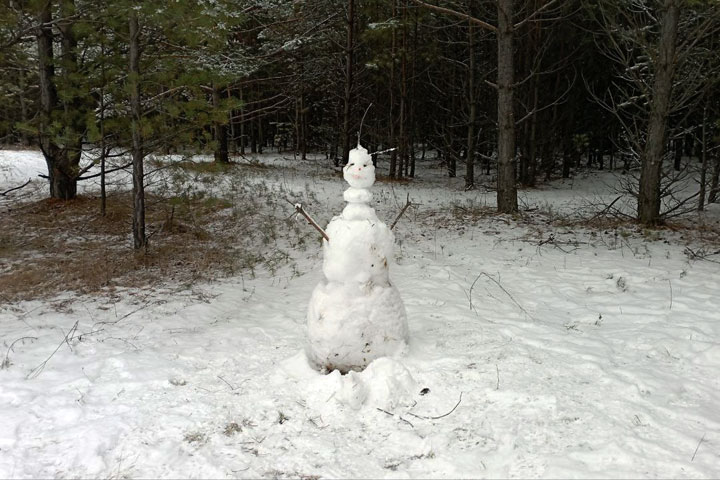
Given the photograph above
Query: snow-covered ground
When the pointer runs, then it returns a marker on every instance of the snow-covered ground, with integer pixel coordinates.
(535, 351)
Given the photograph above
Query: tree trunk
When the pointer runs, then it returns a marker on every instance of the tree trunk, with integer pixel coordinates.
(651, 173)
(62, 184)
(101, 121)
(139, 237)
(260, 136)
(347, 98)
(242, 123)
(393, 44)
(507, 190)
(566, 158)
(715, 182)
(220, 129)
(24, 139)
(74, 121)
(704, 166)
(472, 114)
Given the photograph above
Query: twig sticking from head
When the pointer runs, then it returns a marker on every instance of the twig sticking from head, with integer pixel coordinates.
(387, 150)
(361, 122)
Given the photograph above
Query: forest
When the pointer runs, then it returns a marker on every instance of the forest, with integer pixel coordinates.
(517, 91)
(359, 239)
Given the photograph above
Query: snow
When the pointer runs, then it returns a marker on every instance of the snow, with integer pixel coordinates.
(586, 354)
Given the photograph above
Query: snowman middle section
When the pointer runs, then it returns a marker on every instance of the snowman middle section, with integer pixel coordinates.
(355, 314)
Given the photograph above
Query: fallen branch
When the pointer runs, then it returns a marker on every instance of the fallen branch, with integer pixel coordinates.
(16, 188)
(299, 209)
(607, 209)
(439, 416)
(6, 361)
(501, 288)
(698, 447)
(392, 415)
(407, 205)
(66, 339)
(700, 254)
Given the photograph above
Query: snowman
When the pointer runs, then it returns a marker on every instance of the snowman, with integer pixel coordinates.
(356, 314)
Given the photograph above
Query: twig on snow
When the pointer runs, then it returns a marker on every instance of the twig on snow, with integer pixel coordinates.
(16, 188)
(6, 361)
(93, 330)
(299, 209)
(66, 339)
(439, 416)
(408, 203)
(501, 288)
(671, 293)
(700, 254)
(392, 415)
(227, 383)
(497, 371)
(698, 446)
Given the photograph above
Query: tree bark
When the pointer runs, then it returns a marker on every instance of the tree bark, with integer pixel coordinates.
(139, 237)
(74, 121)
(507, 190)
(391, 88)
(63, 185)
(472, 114)
(221, 138)
(704, 166)
(347, 98)
(715, 182)
(652, 157)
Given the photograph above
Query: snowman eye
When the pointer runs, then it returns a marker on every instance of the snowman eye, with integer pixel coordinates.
(351, 164)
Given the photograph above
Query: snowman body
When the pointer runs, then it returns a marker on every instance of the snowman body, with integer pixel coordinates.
(355, 314)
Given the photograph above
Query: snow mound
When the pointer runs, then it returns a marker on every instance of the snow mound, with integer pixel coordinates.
(386, 383)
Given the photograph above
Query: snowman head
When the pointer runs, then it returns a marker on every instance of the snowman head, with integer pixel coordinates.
(359, 171)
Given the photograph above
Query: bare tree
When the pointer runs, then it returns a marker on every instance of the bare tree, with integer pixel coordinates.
(505, 86)
(660, 77)
(139, 237)
(652, 156)
(347, 106)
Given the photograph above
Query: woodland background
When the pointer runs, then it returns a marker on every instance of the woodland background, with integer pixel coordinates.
(516, 91)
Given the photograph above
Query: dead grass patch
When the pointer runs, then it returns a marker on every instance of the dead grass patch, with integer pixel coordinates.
(51, 246)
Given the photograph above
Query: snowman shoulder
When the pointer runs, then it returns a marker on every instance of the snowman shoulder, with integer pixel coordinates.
(357, 195)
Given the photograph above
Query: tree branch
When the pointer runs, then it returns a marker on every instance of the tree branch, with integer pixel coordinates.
(464, 16)
(407, 205)
(16, 188)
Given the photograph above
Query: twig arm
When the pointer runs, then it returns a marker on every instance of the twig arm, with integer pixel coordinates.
(299, 209)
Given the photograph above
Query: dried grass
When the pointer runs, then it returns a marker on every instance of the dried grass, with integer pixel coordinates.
(49, 246)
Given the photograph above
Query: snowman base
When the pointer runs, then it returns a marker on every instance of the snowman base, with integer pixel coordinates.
(350, 325)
